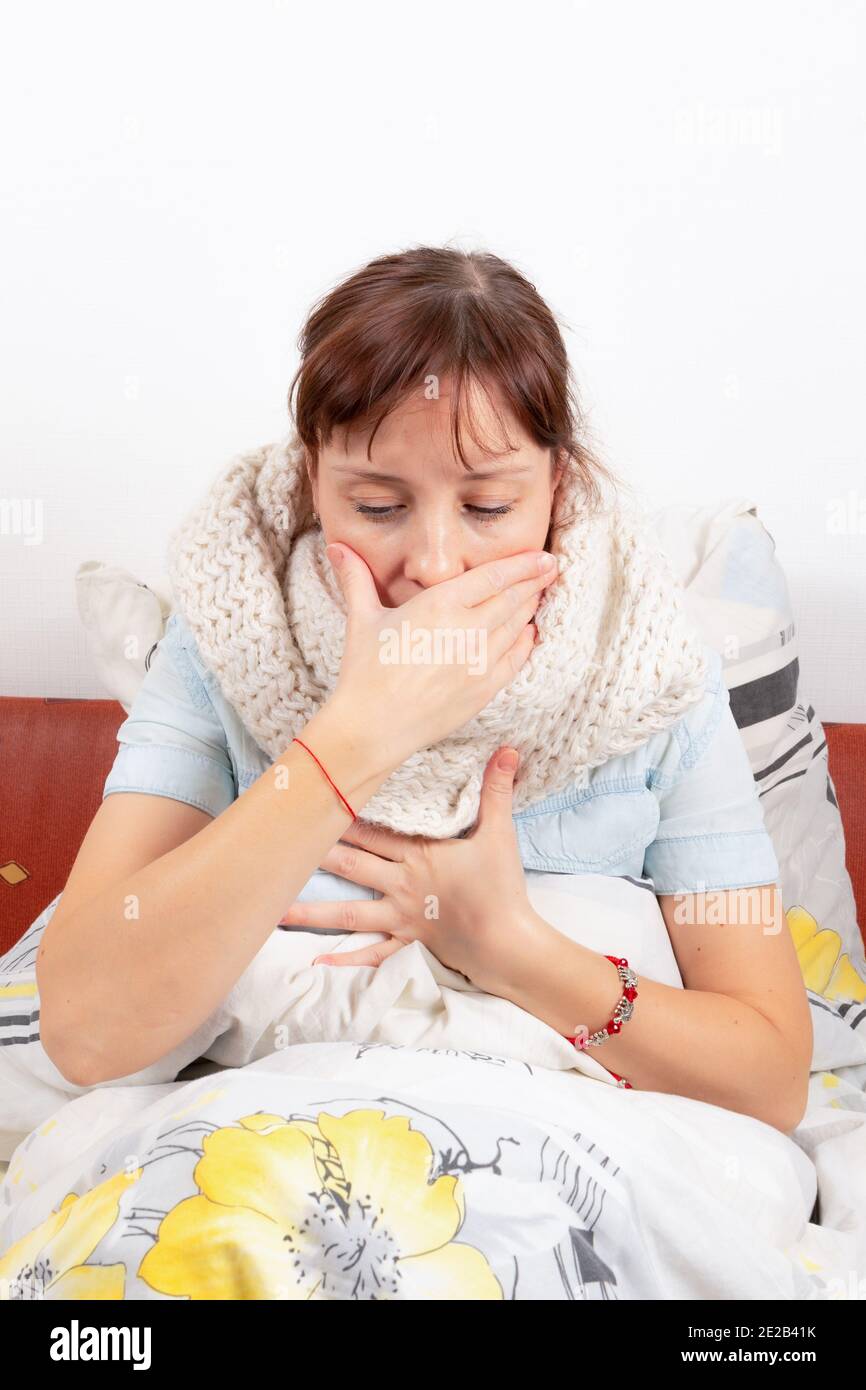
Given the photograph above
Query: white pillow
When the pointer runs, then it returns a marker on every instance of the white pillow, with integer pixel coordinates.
(123, 621)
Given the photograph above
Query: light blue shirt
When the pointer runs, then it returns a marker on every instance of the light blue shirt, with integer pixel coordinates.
(679, 814)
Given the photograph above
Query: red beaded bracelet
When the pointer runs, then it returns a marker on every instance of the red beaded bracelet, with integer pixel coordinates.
(621, 1014)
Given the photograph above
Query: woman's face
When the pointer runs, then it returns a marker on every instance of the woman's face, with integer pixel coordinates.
(415, 514)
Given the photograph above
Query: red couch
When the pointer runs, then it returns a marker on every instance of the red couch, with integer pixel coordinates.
(56, 754)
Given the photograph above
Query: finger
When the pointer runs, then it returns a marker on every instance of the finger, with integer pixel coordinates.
(358, 866)
(354, 578)
(502, 638)
(370, 955)
(378, 839)
(482, 582)
(503, 669)
(342, 916)
(497, 787)
(525, 596)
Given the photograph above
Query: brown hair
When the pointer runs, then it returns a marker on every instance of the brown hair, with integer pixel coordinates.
(433, 311)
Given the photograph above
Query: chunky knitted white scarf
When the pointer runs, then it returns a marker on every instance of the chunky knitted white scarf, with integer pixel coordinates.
(616, 659)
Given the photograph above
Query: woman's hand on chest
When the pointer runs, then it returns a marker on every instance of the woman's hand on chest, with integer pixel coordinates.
(464, 899)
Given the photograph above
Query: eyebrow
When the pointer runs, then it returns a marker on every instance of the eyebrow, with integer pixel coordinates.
(395, 478)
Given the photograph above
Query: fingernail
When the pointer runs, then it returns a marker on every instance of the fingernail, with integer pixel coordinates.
(322, 960)
(335, 555)
(508, 760)
(545, 562)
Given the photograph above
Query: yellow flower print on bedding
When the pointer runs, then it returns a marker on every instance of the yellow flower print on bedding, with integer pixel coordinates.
(51, 1262)
(339, 1208)
(826, 968)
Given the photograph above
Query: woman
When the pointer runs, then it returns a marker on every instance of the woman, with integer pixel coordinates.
(366, 713)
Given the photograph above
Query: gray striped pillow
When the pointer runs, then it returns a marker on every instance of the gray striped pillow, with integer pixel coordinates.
(736, 592)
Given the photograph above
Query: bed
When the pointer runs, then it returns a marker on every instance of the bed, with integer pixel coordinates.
(409, 1137)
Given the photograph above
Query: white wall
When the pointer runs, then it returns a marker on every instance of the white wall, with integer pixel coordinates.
(684, 183)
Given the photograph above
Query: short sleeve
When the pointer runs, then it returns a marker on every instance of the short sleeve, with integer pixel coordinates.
(173, 743)
(711, 833)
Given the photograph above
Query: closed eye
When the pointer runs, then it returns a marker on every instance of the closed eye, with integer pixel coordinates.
(483, 514)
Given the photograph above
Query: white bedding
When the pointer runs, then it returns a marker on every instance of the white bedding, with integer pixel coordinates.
(497, 1160)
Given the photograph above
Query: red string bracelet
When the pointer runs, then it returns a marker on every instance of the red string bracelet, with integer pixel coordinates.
(333, 784)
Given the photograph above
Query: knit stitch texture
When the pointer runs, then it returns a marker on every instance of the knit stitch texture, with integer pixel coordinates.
(616, 659)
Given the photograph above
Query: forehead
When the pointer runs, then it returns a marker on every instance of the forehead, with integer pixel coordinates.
(418, 433)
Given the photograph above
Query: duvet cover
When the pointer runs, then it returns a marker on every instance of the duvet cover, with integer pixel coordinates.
(397, 1134)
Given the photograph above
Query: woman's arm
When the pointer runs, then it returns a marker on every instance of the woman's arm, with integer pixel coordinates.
(131, 971)
(739, 1035)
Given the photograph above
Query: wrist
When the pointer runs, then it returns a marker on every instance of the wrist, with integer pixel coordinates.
(556, 979)
(516, 961)
(356, 759)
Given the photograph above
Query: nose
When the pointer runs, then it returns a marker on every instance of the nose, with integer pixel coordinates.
(434, 551)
